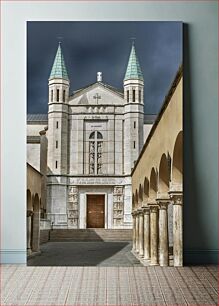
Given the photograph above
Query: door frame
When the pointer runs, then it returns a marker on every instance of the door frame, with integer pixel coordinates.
(105, 207)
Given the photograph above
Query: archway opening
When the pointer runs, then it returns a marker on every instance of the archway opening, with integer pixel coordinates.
(177, 165)
(153, 185)
(164, 175)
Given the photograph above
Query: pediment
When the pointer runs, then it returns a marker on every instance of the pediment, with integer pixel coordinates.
(97, 94)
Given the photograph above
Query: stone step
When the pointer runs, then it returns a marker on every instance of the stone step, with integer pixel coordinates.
(91, 235)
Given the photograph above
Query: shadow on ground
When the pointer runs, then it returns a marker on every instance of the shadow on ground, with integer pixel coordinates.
(112, 254)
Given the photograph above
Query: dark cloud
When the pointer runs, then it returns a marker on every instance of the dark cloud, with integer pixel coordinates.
(89, 47)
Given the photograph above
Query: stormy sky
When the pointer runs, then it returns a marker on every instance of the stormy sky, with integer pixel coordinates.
(89, 47)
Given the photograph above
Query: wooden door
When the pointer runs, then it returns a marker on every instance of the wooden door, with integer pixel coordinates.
(95, 211)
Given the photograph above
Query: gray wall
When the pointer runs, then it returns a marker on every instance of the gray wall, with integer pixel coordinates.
(200, 112)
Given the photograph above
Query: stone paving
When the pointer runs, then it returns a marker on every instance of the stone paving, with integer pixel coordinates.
(103, 286)
(108, 254)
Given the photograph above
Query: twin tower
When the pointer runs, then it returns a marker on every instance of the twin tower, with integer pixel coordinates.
(127, 107)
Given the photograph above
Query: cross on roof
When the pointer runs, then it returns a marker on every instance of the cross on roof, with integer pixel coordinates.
(97, 97)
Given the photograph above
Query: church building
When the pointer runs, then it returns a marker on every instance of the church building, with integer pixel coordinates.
(94, 137)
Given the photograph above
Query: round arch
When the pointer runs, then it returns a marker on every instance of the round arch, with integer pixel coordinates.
(153, 185)
(177, 164)
(36, 203)
(136, 197)
(164, 175)
(133, 201)
(140, 193)
(146, 188)
(29, 202)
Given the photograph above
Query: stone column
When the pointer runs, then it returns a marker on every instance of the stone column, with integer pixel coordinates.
(141, 233)
(29, 214)
(146, 233)
(177, 201)
(36, 231)
(134, 232)
(137, 232)
(163, 232)
(154, 233)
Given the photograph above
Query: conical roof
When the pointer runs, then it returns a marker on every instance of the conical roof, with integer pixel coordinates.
(58, 69)
(133, 70)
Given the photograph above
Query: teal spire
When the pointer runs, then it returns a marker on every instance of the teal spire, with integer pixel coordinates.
(58, 69)
(133, 70)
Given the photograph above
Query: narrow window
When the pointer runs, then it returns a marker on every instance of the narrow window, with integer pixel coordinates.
(127, 95)
(134, 144)
(63, 98)
(57, 95)
(56, 164)
(133, 95)
(57, 124)
(56, 144)
(51, 95)
(139, 94)
(134, 124)
(95, 152)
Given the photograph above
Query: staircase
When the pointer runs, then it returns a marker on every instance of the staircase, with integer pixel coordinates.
(94, 234)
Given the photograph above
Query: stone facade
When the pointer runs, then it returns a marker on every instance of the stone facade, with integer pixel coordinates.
(94, 137)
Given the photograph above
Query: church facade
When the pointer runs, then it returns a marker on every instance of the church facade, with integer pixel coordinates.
(94, 136)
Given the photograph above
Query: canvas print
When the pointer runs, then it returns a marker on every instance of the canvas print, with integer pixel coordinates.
(104, 144)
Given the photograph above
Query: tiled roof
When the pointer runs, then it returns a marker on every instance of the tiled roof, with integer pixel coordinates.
(133, 70)
(59, 69)
(37, 117)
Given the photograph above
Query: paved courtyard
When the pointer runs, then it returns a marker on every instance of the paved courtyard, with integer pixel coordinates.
(113, 254)
(102, 286)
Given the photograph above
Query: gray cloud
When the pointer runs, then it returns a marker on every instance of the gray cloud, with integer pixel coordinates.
(89, 47)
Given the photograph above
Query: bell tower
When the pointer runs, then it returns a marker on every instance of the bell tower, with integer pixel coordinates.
(58, 116)
(134, 111)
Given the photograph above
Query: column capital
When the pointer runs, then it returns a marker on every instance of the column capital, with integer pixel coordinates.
(163, 200)
(153, 206)
(176, 197)
(134, 213)
(29, 213)
(146, 210)
(140, 211)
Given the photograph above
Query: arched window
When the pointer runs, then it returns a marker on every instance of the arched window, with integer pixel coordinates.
(95, 152)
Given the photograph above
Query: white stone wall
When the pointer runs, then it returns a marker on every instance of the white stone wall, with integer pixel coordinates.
(57, 204)
(33, 155)
(34, 129)
(33, 149)
(69, 128)
(87, 97)
(58, 198)
(128, 203)
(147, 129)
